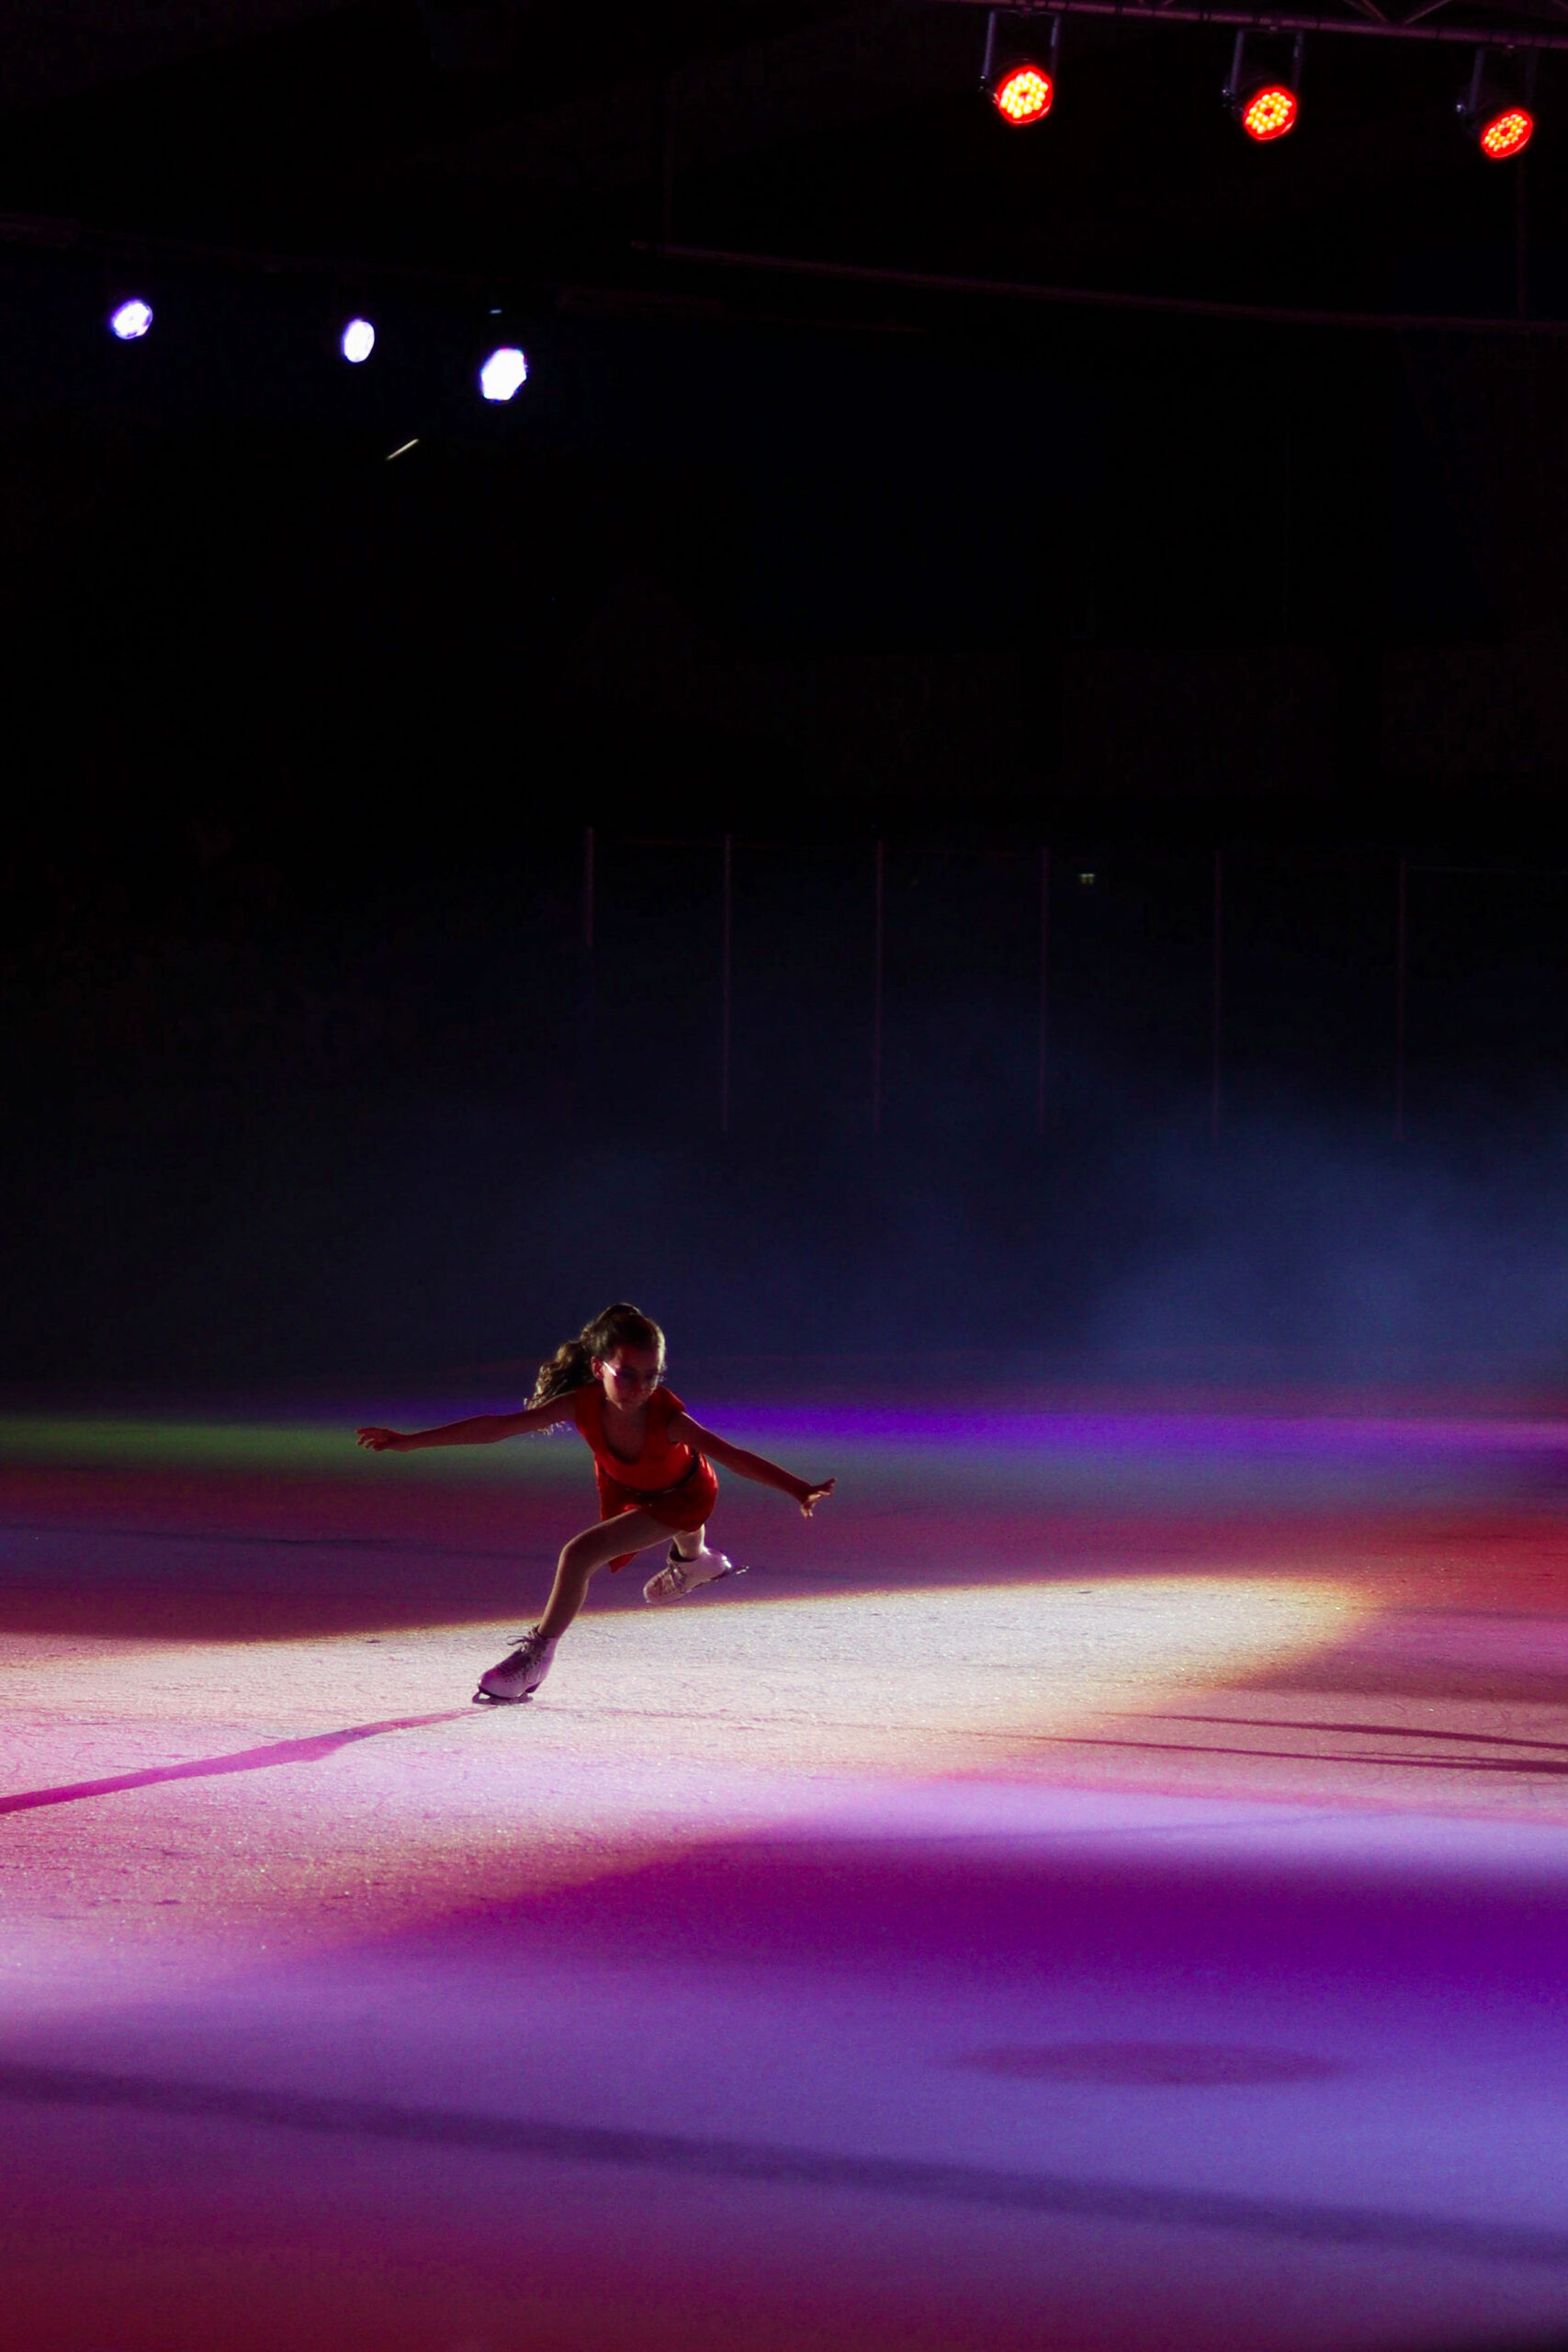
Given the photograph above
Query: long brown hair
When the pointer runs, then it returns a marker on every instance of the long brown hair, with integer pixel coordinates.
(571, 1366)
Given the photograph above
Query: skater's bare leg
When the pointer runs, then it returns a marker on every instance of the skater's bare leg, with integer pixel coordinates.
(581, 1559)
(518, 1676)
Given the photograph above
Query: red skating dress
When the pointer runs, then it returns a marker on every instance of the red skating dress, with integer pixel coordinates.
(668, 1477)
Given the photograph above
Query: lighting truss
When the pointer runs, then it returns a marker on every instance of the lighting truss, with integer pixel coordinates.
(1498, 24)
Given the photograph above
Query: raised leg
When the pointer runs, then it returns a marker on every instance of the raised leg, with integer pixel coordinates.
(690, 1564)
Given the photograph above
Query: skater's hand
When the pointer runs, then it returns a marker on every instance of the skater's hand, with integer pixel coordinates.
(383, 1441)
(814, 1494)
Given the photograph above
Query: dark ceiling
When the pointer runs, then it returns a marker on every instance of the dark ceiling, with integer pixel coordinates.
(553, 142)
(880, 536)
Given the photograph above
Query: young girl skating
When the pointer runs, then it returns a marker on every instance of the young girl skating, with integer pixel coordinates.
(653, 1467)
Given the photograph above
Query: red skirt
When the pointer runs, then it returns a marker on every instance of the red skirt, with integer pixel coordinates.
(679, 1507)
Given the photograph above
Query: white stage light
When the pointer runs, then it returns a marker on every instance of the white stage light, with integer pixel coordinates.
(358, 341)
(503, 374)
(130, 320)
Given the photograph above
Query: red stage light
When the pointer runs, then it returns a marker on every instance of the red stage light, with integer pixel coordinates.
(1023, 95)
(1507, 133)
(1269, 112)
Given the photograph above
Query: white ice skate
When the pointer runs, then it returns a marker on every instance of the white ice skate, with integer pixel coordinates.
(680, 1576)
(519, 1676)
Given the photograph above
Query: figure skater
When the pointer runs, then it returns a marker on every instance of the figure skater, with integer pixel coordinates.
(652, 1464)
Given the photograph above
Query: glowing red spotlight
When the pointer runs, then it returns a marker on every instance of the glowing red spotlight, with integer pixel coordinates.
(1508, 133)
(1261, 88)
(1021, 83)
(1498, 108)
(1023, 95)
(1269, 112)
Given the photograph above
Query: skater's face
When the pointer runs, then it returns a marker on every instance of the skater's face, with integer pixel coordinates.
(630, 1376)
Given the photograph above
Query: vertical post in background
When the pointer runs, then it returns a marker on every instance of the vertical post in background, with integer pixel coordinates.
(1287, 523)
(1043, 1031)
(585, 1085)
(667, 161)
(726, 945)
(1216, 1033)
(1401, 967)
(880, 871)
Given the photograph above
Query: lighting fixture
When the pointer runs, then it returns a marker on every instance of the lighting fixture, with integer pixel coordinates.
(1497, 109)
(1019, 82)
(504, 373)
(1262, 89)
(129, 320)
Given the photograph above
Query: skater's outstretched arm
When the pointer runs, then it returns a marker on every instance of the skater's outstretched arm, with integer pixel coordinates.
(484, 1429)
(750, 1465)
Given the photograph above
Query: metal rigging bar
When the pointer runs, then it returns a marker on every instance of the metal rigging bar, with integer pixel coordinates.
(1500, 28)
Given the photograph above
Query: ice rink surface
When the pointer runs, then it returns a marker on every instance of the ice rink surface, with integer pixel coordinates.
(1104, 1884)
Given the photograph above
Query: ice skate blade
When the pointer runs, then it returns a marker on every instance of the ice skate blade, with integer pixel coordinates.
(666, 1600)
(489, 1699)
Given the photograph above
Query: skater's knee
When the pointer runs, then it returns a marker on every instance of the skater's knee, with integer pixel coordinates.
(577, 1558)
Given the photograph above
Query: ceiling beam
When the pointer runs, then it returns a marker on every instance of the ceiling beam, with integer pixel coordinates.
(1506, 29)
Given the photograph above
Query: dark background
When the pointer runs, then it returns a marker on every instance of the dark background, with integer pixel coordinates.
(308, 1070)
